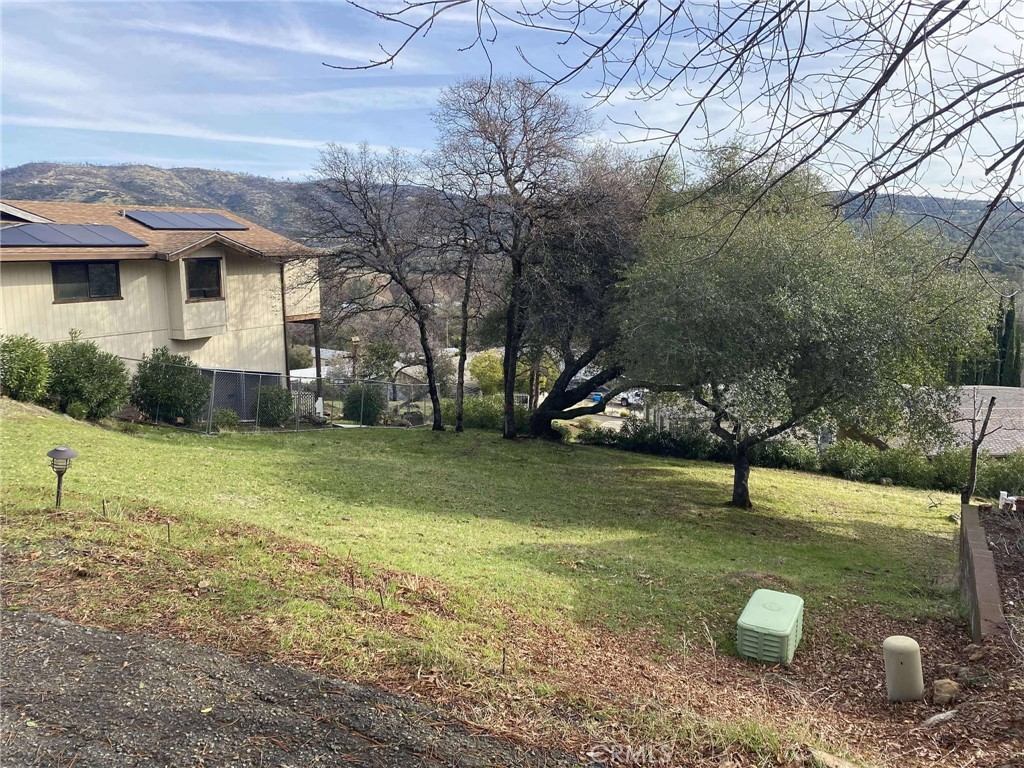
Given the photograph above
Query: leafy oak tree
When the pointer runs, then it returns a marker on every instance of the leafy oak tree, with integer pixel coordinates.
(797, 318)
(588, 242)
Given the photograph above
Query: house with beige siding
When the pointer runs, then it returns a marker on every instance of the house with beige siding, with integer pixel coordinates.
(202, 282)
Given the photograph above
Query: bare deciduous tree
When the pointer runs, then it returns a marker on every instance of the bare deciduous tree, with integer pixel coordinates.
(509, 146)
(876, 94)
(382, 239)
(470, 249)
(978, 435)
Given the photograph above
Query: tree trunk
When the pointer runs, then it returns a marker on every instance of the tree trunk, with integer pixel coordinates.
(967, 492)
(460, 382)
(513, 335)
(541, 423)
(740, 477)
(560, 400)
(535, 391)
(428, 363)
(977, 438)
(508, 368)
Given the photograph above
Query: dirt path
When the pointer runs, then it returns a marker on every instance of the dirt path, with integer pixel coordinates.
(82, 697)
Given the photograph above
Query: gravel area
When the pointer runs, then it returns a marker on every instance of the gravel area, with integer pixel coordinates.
(82, 697)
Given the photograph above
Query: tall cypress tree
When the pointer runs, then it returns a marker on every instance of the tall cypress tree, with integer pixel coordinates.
(1005, 361)
(995, 368)
(1010, 348)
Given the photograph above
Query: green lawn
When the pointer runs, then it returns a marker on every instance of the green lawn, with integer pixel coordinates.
(381, 553)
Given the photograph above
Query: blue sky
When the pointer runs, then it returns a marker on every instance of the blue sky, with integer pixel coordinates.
(242, 85)
(232, 85)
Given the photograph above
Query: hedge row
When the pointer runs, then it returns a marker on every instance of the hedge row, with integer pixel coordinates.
(79, 379)
(74, 376)
(484, 413)
(847, 459)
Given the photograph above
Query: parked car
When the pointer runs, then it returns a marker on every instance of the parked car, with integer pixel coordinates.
(632, 397)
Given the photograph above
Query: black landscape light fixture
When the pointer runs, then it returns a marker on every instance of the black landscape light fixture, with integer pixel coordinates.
(60, 462)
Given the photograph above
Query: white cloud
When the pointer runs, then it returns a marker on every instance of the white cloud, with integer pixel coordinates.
(197, 59)
(25, 71)
(335, 101)
(295, 38)
(142, 126)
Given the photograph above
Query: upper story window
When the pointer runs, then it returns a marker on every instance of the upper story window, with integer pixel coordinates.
(86, 280)
(203, 278)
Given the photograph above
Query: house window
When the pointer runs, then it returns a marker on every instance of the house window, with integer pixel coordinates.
(203, 278)
(86, 280)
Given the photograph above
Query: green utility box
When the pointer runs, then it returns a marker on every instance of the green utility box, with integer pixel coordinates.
(770, 627)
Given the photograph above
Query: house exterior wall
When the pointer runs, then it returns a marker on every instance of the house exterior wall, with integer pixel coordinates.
(302, 289)
(244, 331)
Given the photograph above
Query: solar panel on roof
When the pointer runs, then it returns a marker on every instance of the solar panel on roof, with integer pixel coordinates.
(151, 219)
(174, 220)
(67, 236)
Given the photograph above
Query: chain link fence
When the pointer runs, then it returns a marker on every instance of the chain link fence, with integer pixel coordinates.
(216, 399)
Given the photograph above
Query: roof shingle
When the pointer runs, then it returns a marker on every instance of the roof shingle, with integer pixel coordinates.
(1006, 428)
(160, 243)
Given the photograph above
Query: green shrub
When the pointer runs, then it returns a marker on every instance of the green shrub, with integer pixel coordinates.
(128, 427)
(484, 413)
(950, 468)
(78, 410)
(784, 454)
(81, 372)
(904, 466)
(167, 387)
(849, 459)
(24, 368)
(487, 368)
(592, 433)
(299, 357)
(274, 406)
(1006, 474)
(364, 404)
(563, 431)
(690, 441)
(225, 418)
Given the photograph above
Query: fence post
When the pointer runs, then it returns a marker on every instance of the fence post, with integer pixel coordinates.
(296, 396)
(362, 399)
(209, 410)
(259, 391)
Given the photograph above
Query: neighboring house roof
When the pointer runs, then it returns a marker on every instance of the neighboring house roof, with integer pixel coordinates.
(413, 374)
(1006, 427)
(160, 244)
(326, 354)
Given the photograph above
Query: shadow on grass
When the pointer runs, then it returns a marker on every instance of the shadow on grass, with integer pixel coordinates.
(681, 585)
(631, 539)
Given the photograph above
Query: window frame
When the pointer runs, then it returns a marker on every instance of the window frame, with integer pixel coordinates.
(55, 265)
(189, 299)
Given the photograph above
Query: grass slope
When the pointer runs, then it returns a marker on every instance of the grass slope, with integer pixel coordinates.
(377, 553)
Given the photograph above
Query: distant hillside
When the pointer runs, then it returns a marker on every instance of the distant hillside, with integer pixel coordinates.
(1001, 248)
(266, 202)
(274, 204)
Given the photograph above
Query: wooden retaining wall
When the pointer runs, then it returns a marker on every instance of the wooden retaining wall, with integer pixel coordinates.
(979, 587)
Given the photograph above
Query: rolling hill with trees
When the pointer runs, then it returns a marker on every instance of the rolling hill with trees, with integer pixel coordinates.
(275, 204)
(267, 202)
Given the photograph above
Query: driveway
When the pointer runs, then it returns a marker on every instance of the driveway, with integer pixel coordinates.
(90, 698)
